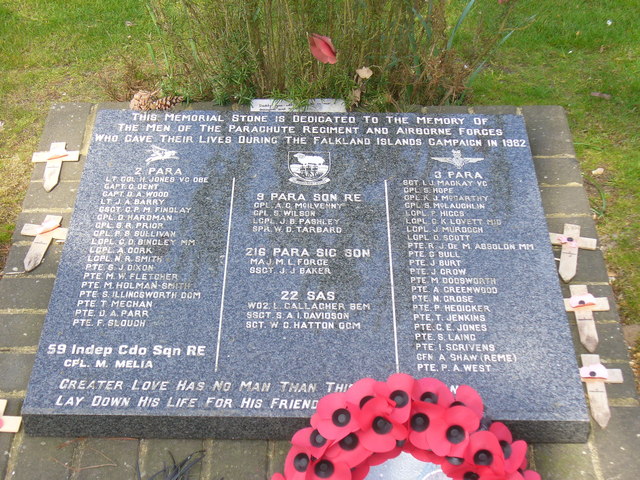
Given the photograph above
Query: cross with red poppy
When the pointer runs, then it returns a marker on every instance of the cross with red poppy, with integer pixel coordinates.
(44, 234)
(57, 154)
(571, 242)
(595, 375)
(8, 424)
(583, 304)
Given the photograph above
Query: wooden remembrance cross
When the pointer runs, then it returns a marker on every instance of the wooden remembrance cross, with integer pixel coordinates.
(46, 232)
(571, 241)
(583, 304)
(53, 158)
(595, 375)
(8, 424)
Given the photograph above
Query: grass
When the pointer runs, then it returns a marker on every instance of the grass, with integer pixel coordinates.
(54, 51)
(581, 48)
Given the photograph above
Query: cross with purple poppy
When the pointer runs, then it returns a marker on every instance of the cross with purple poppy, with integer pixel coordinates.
(595, 375)
(571, 241)
(583, 304)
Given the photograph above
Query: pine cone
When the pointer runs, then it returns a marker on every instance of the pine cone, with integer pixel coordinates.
(145, 100)
(165, 103)
(142, 100)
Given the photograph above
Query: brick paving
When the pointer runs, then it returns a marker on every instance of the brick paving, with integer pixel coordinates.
(609, 454)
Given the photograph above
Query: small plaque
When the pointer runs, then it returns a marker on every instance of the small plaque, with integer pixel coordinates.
(225, 271)
(313, 105)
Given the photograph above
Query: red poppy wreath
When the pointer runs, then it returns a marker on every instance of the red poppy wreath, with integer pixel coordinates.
(375, 421)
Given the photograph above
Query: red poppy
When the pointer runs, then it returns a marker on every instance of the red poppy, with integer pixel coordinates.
(467, 396)
(422, 415)
(484, 450)
(333, 418)
(324, 469)
(361, 392)
(297, 463)
(397, 389)
(311, 441)
(448, 434)
(514, 452)
(360, 472)
(380, 431)
(466, 471)
(278, 476)
(301, 465)
(432, 390)
(349, 450)
(322, 48)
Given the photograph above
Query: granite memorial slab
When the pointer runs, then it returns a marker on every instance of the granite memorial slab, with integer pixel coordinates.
(225, 270)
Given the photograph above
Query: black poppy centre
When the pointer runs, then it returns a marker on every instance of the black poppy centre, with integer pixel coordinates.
(429, 397)
(455, 434)
(400, 398)
(301, 462)
(324, 469)
(381, 425)
(341, 417)
(483, 457)
(316, 439)
(350, 442)
(419, 422)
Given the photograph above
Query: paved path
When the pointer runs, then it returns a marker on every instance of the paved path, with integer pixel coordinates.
(610, 454)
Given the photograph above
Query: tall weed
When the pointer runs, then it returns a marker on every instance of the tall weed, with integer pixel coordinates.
(421, 51)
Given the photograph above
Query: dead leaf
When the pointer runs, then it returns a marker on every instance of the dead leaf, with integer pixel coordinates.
(364, 72)
(606, 96)
(355, 96)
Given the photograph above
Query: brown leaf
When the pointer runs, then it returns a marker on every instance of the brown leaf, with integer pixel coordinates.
(364, 72)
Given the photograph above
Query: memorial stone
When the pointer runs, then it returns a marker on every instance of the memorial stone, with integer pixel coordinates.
(226, 270)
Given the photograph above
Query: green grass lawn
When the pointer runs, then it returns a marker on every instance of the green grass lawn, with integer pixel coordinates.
(73, 50)
(56, 51)
(573, 51)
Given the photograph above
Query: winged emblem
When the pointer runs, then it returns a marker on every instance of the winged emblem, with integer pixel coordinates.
(457, 160)
(159, 153)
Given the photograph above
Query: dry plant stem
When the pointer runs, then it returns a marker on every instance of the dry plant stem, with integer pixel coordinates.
(90, 467)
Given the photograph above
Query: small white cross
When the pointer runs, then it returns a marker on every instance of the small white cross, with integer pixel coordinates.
(53, 158)
(571, 241)
(46, 232)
